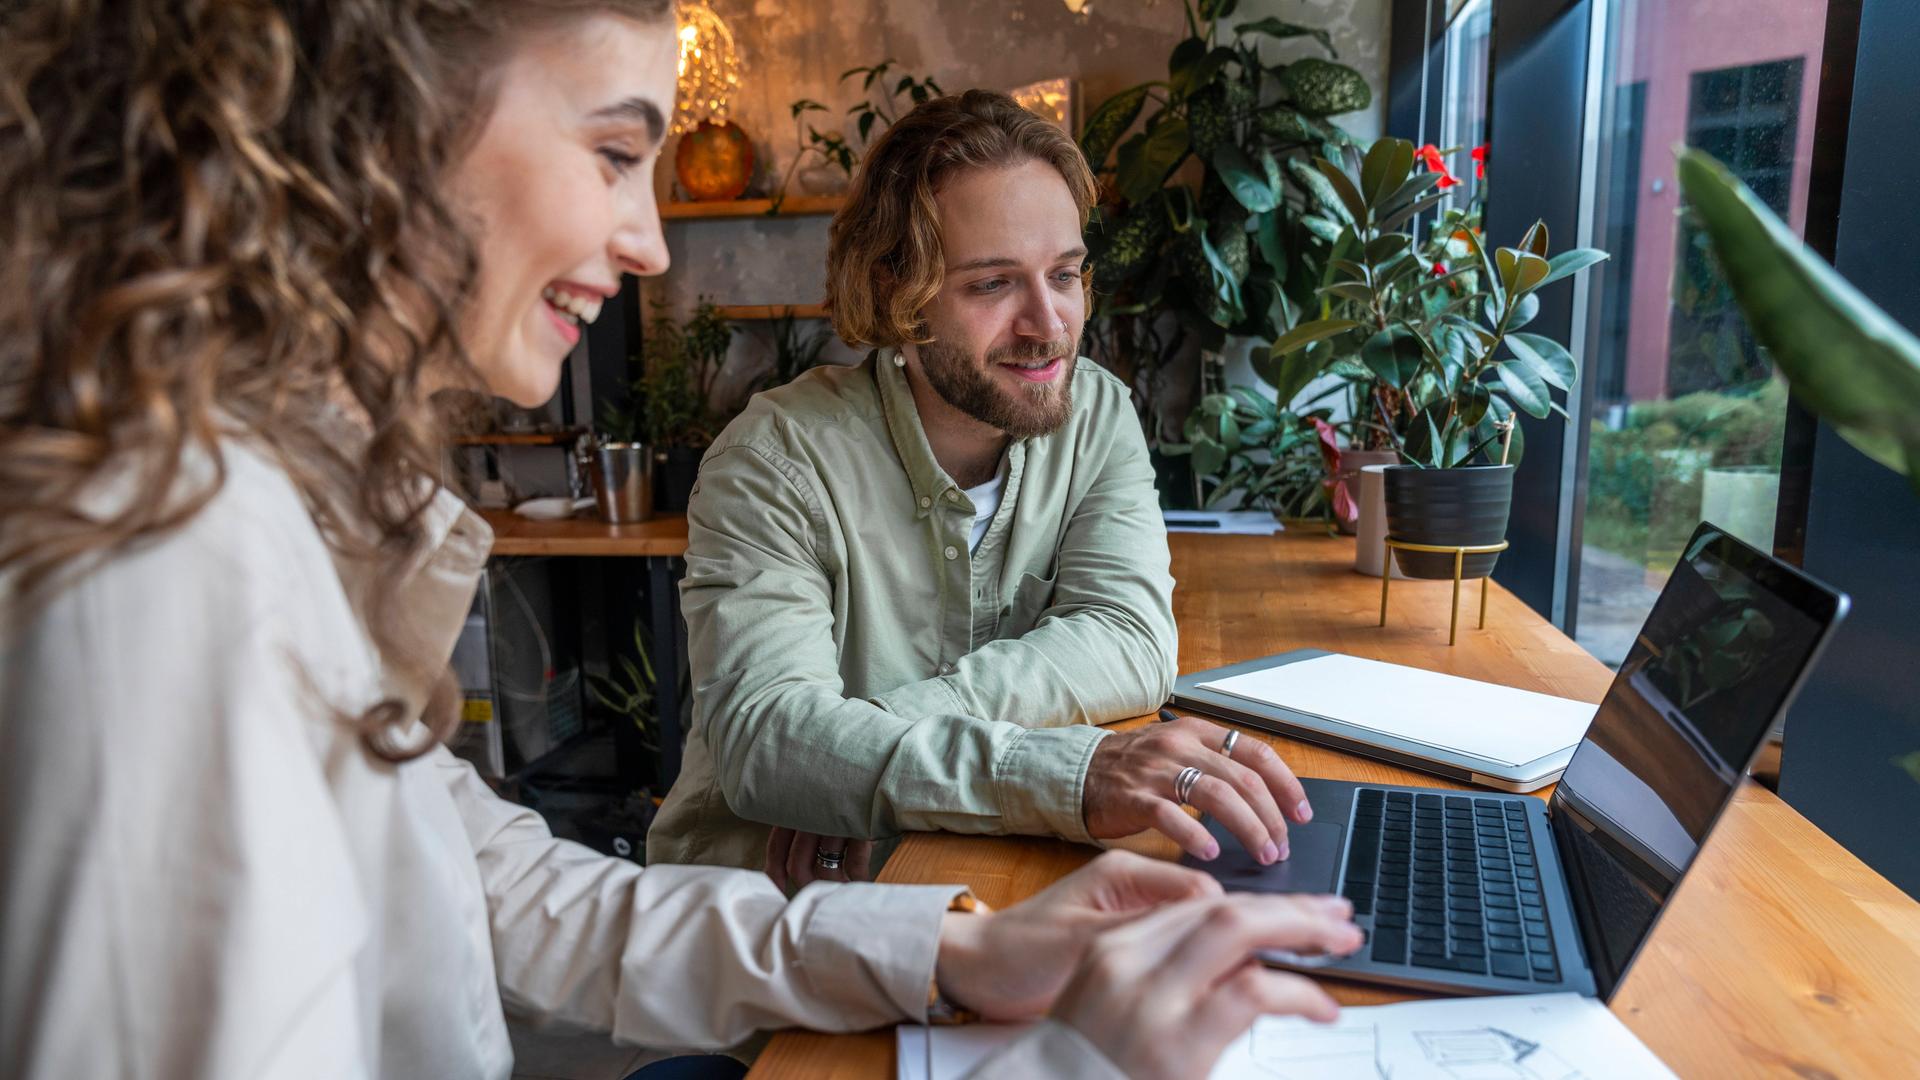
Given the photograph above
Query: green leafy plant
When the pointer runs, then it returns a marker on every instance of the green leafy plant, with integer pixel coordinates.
(879, 106)
(679, 365)
(1441, 351)
(1226, 246)
(630, 695)
(794, 349)
(1846, 359)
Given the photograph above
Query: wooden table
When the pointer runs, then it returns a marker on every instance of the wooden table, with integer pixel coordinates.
(1780, 955)
(659, 542)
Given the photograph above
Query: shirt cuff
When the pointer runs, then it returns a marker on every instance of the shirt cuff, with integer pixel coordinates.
(885, 936)
(1041, 779)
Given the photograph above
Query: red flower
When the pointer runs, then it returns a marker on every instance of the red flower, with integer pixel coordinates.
(1429, 155)
(1480, 162)
(1439, 269)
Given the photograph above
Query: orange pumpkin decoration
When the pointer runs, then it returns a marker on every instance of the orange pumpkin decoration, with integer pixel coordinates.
(714, 161)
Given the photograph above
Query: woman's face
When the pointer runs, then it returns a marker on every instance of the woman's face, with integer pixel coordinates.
(558, 189)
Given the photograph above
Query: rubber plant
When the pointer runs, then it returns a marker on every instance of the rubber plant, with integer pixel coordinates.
(1846, 359)
(1200, 217)
(1442, 352)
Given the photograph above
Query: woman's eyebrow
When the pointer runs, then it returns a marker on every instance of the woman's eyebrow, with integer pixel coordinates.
(635, 110)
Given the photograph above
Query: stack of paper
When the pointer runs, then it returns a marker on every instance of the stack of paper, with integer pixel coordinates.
(1531, 1037)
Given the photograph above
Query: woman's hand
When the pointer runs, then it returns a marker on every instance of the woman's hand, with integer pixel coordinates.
(792, 859)
(1010, 965)
(1163, 995)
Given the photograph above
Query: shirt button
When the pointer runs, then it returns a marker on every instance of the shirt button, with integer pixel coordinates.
(925, 501)
(952, 552)
(954, 496)
(946, 669)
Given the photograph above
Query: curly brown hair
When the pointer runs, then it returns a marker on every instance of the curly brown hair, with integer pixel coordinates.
(228, 214)
(885, 262)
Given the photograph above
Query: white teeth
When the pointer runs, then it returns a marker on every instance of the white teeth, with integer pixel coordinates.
(582, 309)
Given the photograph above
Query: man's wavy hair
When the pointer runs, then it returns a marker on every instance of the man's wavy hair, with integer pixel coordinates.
(220, 213)
(885, 261)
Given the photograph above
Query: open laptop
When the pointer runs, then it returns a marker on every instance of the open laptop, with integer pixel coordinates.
(1475, 892)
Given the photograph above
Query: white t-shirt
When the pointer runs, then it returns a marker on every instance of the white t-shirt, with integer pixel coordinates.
(986, 503)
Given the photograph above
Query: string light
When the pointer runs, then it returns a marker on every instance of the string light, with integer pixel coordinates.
(709, 67)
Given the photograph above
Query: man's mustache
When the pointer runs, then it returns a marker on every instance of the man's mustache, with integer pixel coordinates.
(1030, 350)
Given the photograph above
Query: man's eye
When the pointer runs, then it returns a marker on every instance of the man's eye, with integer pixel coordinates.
(992, 285)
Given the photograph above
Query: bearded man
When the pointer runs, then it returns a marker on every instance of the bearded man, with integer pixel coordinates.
(914, 587)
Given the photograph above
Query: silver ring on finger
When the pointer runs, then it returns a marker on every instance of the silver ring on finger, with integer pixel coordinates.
(828, 860)
(1233, 736)
(1183, 784)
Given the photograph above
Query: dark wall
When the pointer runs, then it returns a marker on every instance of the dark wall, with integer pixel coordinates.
(1539, 88)
(1861, 708)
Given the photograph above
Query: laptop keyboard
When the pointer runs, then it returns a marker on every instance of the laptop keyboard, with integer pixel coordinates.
(1451, 883)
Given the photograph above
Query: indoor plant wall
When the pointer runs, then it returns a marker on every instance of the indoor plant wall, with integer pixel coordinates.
(1204, 231)
(1445, 357)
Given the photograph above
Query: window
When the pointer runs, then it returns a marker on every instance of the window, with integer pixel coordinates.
(1687, 417)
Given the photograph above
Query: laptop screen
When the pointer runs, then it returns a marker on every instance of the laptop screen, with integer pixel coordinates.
(1720, 657)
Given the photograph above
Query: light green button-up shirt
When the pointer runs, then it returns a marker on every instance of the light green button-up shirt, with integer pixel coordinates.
(857, 673)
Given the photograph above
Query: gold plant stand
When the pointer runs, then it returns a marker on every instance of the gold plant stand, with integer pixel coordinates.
(1460, 554)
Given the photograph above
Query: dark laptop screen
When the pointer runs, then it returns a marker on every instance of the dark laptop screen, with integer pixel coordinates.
(1720, 656)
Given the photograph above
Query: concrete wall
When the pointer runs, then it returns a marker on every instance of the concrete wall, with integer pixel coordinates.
(798, 48)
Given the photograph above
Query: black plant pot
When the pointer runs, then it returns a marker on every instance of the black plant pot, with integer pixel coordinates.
(679, 466)
(1464, 507)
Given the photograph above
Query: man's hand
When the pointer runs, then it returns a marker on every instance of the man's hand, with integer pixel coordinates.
(792, 866)
(1130, 787)
(1010, 965)
(1162, 996)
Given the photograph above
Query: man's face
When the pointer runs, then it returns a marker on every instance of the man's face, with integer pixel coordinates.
(1006, 322)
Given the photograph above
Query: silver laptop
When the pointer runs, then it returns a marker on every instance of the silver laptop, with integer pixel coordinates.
(1483, 893)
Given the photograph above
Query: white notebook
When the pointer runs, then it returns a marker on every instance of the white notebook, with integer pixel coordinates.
(1444, 712)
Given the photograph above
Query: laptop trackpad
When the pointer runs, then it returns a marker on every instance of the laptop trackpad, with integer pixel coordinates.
(1310, 866)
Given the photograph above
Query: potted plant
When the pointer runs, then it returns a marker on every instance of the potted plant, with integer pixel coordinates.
(1203, 234)
(1447, 359)
(835, 158)
(675, 395)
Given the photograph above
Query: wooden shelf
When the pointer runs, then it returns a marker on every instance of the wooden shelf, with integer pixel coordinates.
(521, 438)
(753, 312)
(794, 206)
(586, 534)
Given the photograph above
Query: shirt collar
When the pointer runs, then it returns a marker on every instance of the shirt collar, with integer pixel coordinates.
(930, 482)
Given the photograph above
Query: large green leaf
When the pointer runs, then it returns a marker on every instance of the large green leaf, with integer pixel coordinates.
(1572, 262)
(1289, 374)
(1247, 181)
(1307, 333)
(1527, 389)
(1104, 128)
(1343, 188)
(1548, 358)
(1847, 359)
(1387, 164)
(1393, 354)
(1276, 28)
(1141, 174)
(1315, 185)
(1181, 62)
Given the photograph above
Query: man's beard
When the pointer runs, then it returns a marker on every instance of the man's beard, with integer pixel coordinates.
(1025, 412)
